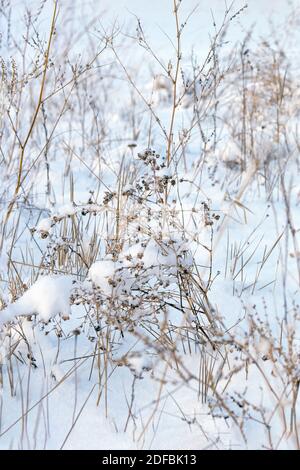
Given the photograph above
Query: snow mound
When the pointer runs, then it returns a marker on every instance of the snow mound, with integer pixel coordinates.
(111, 277)
(47, 297)
(44, 227)
(102, 273)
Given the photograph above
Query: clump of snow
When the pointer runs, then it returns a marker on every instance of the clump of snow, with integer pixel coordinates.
(140, 363)
(47, 297)
(44, 227)
(167, 254)
(65, 210)
(165, 172)
(111, 276)
(155, 256)
(102, 274)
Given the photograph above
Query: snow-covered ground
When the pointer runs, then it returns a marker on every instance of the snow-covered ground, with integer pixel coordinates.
(149, 231)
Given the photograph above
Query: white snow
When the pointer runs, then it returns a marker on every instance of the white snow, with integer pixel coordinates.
(102, 272)
(44, 225)
(129, 368)
(47, 297)
(64, 210)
